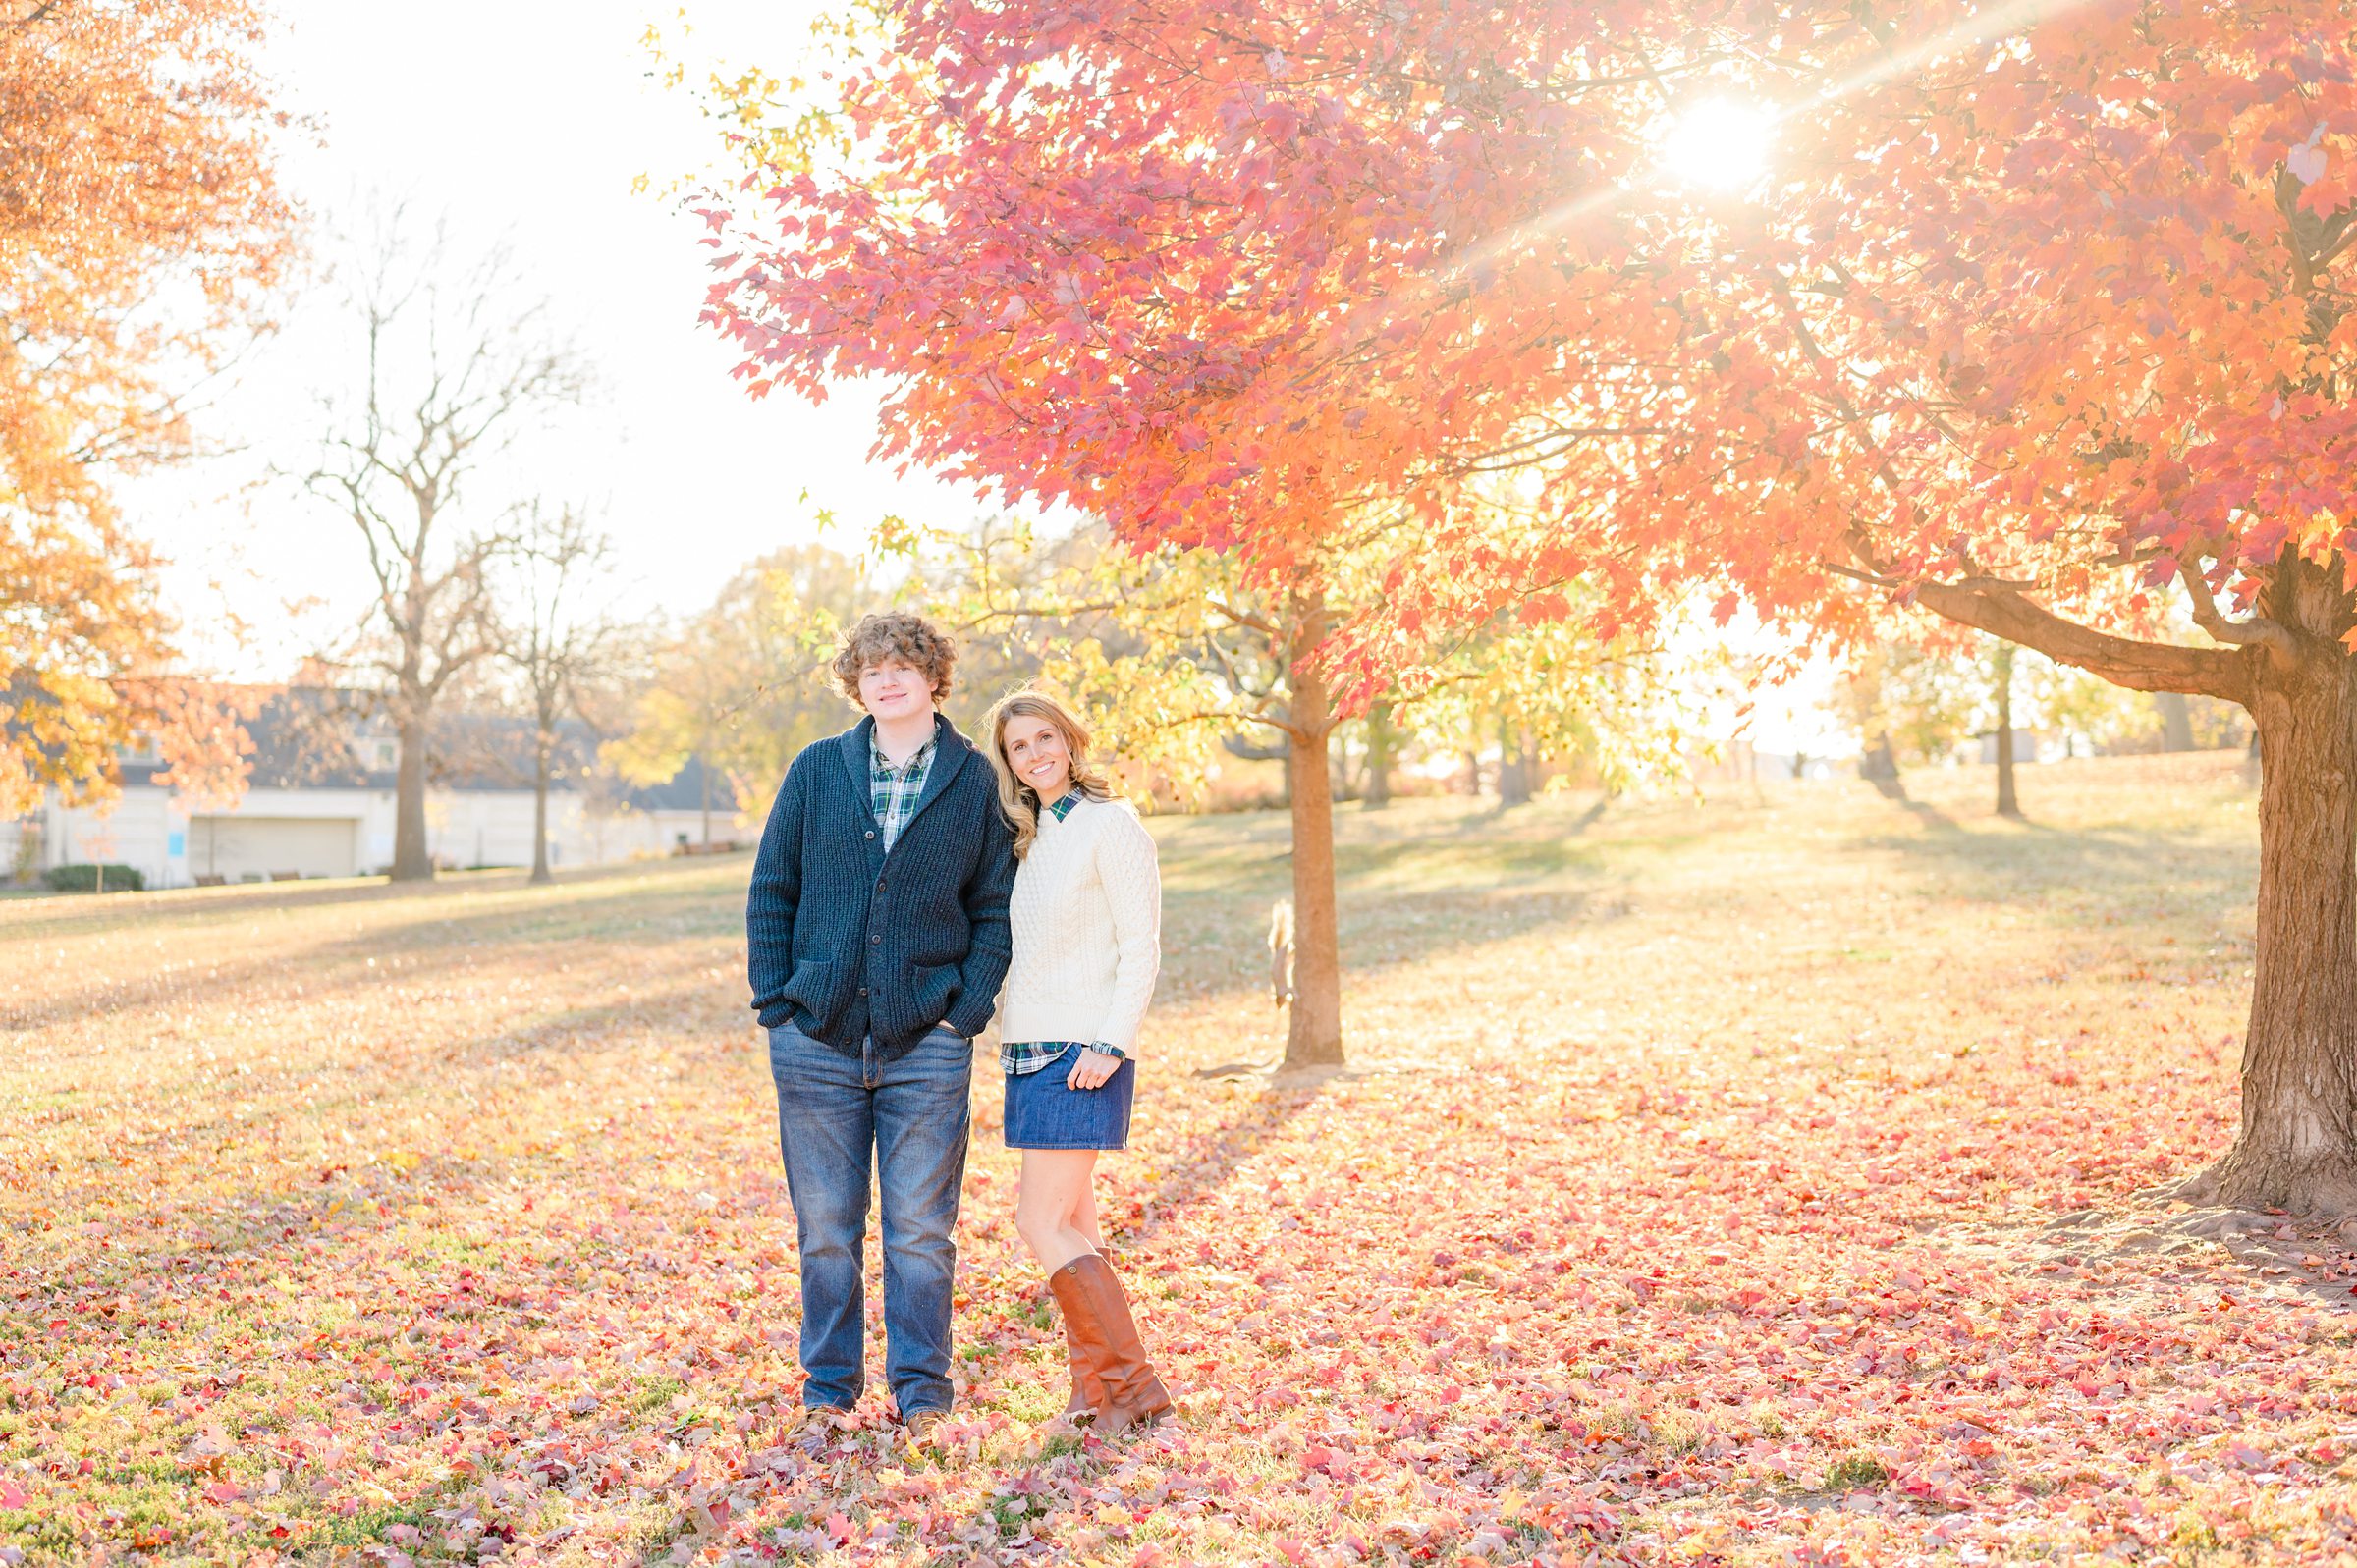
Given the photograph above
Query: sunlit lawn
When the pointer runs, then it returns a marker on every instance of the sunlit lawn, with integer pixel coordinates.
(1748, 1182)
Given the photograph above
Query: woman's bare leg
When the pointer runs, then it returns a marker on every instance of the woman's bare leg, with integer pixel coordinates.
(1055, 1210)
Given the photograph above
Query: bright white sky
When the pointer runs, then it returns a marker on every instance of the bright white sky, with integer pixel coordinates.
(529, 119)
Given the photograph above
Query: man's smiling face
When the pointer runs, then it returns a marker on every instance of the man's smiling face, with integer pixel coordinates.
(893, 688)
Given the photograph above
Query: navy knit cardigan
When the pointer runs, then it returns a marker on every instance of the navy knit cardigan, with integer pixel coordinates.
(851, 943)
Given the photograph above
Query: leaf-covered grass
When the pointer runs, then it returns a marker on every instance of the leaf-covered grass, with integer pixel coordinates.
(1745, 1183)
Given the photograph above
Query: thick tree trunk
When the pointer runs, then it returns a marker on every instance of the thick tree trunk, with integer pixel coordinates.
(1314, 1037)
(540, 808)
(2296, 1149)
(412, 862)
(1382, 742)
(2177, 720)
(2008, 803)
(2298, 1146)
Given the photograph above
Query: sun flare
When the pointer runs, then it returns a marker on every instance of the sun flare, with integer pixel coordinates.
(1719, 145)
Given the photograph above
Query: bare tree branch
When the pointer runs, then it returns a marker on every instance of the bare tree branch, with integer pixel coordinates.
(2126, 662)
(454, 367)
(2258, 631)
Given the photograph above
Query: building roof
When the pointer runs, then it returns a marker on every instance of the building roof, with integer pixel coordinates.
(320, 738)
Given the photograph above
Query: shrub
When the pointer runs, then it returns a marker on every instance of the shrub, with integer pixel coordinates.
(88, 879)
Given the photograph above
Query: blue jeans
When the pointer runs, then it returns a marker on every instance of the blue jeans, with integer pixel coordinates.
(911, 1112)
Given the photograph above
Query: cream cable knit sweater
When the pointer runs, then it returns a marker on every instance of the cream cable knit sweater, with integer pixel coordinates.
(1087, 925)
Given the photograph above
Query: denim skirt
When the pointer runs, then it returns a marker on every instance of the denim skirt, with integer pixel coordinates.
(1043, 1112)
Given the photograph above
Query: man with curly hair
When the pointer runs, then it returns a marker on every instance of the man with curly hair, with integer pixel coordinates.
(876, 928)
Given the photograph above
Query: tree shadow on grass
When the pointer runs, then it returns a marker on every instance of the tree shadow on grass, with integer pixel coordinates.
(1923, 811)
(1216, 945)
(256, 1217)
(1249, 854)
(2189, 1253)
(2033, 863)
(687, 907)
(1206, 1159)
(70, 916)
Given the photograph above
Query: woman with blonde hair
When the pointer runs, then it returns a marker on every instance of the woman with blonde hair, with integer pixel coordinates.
(1086, 915)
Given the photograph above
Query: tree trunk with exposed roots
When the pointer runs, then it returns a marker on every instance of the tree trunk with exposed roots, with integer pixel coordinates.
(2298, 1146)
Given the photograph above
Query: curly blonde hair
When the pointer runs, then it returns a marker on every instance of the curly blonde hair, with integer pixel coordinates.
(1017, 800)
(900, 634)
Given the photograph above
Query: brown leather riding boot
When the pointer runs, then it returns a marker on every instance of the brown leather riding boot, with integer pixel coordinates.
(1083, 1341)
(1088, 1393)
(1091, 1296)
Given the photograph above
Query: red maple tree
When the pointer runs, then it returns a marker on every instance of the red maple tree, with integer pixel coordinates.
(2034, 317)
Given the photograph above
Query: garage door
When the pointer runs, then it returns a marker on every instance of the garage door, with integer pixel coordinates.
(250, 847)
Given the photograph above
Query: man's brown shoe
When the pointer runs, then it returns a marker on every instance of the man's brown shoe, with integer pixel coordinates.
(920, 1427)
(1090, 1294)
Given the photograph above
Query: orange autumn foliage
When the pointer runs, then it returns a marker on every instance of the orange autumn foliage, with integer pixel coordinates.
(2034, 314)
(2018, 295)
(140, 229)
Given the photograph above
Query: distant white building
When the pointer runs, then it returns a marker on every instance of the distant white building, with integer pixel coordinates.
(2029, 746)
(320, 804)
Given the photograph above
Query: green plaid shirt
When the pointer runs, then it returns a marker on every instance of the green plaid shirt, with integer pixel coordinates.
(1030, 1056)
(894, 792)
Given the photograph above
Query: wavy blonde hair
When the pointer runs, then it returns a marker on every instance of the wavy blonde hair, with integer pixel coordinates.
(1017, 799)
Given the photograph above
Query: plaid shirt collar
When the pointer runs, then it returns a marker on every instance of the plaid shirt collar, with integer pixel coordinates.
(892, 793)
(1062, 806)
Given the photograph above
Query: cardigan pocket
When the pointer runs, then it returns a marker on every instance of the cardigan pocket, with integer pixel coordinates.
(812, 986)
(935, 989)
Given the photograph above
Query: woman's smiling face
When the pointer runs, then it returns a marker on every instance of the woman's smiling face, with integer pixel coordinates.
(1034, 749)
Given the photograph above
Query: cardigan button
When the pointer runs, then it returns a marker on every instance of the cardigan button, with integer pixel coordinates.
(871, 833)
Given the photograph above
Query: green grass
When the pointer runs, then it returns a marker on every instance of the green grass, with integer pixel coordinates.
(1856, 1473)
